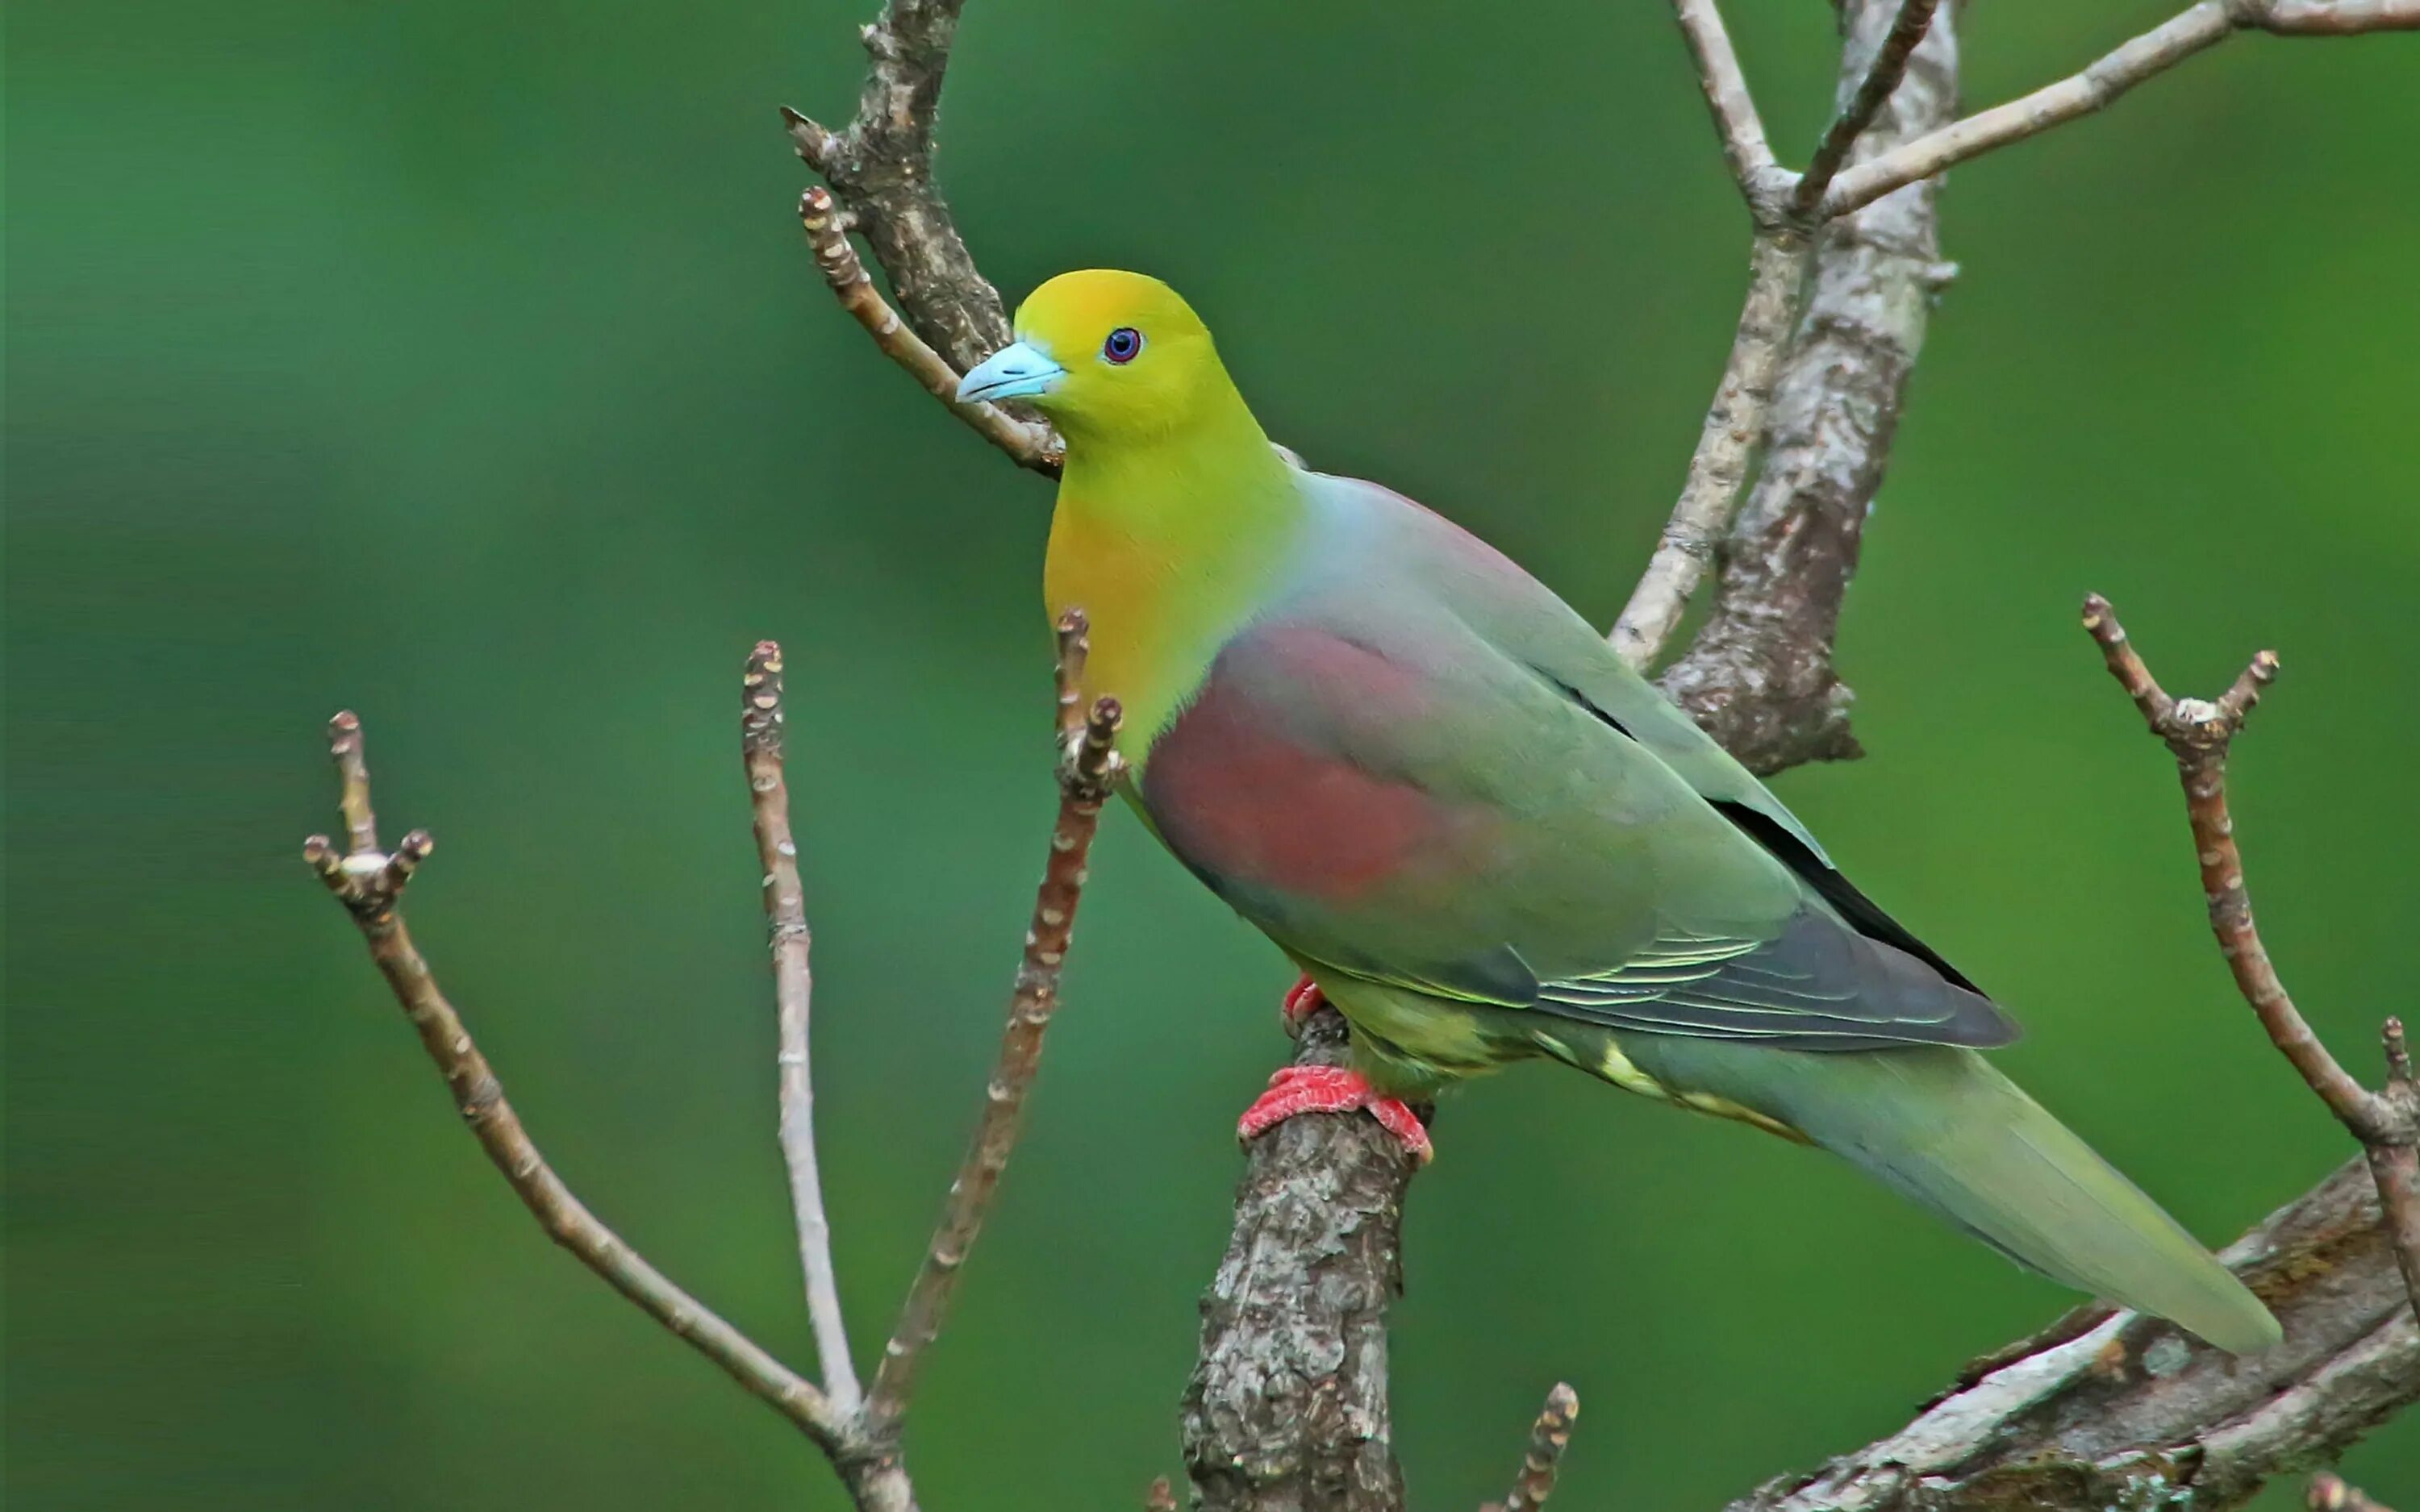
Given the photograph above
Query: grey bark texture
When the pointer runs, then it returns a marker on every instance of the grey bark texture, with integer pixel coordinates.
(881, 166)
(1286, 1410)
(1759, 674)
(2124, 1412)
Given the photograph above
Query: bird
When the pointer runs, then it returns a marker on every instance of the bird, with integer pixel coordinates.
(1484, 839)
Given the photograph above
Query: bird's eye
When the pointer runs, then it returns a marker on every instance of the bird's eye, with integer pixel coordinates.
(1123, 345)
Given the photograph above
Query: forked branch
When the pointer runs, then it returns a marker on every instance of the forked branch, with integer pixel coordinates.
(1028, 446)
(1882, 74)
(880, 164)
(2114, 1409)
(1854, 167)
(861, 1439)
(370, 884)
(2096, 86)
(1879, 43)
(2199, 734)
(1760, 179)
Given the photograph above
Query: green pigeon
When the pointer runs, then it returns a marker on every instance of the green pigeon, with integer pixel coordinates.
(1484, 839)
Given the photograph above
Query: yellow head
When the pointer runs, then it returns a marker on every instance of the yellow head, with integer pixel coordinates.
(1110, 356)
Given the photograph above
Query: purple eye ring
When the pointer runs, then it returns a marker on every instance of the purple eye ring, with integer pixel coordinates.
(1122, 345)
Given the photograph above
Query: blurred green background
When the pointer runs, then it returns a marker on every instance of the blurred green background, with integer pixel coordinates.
(461, 363)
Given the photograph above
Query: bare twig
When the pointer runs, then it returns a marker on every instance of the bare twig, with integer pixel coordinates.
(2330, 1493)
(863, 1443)
(761, 718)
(2199, 734)
(1882, 76)
(2336, 18)
(1548, 1437)
(2162, 47)
(1030, 446)
(370, 884)
(1761, 180)
(1085, 781)
(1073, 637)
(1734, 424)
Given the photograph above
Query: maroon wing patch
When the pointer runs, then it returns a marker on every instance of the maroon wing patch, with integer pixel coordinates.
(1251, 783)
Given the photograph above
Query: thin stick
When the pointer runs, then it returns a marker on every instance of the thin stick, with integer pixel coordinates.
(1736, 122)
(2337, 18)
(1733, 427)
(2198, 733)
(2162, 47)
(1548, 1437)
(370, 884)
(1073, 637)
(1028, 446)
(761, 719)
(1882, 77)
(1085, 781)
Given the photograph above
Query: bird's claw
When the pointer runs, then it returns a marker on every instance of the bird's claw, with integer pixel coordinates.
(1333, 1090)
(1302, 1000)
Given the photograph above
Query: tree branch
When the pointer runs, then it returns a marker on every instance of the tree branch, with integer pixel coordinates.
(2115, 1408)
(1085, 782)
(1850, 122)
(1548, 1438)
(881, 166)
(1287, 1406)
(861, 1440)
(1880, 45)
(2336, 18)
(1734, 424)
(1028, 446)
(2132, 1412)
(1759, 673)
(761, 719)
(2155, 52)
(2200, 736)
(1761, 180)
(370, 884)
(1775, 691)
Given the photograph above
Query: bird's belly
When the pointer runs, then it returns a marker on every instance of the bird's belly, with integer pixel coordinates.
(1411, 1045)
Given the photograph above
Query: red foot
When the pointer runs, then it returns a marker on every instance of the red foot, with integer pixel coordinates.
(1332, 1089)
(1302, 1000)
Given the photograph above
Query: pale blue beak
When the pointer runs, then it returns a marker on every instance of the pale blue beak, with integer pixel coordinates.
(1017, 371)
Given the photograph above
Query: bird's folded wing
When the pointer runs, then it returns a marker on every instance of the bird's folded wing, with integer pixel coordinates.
(1391, 797)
